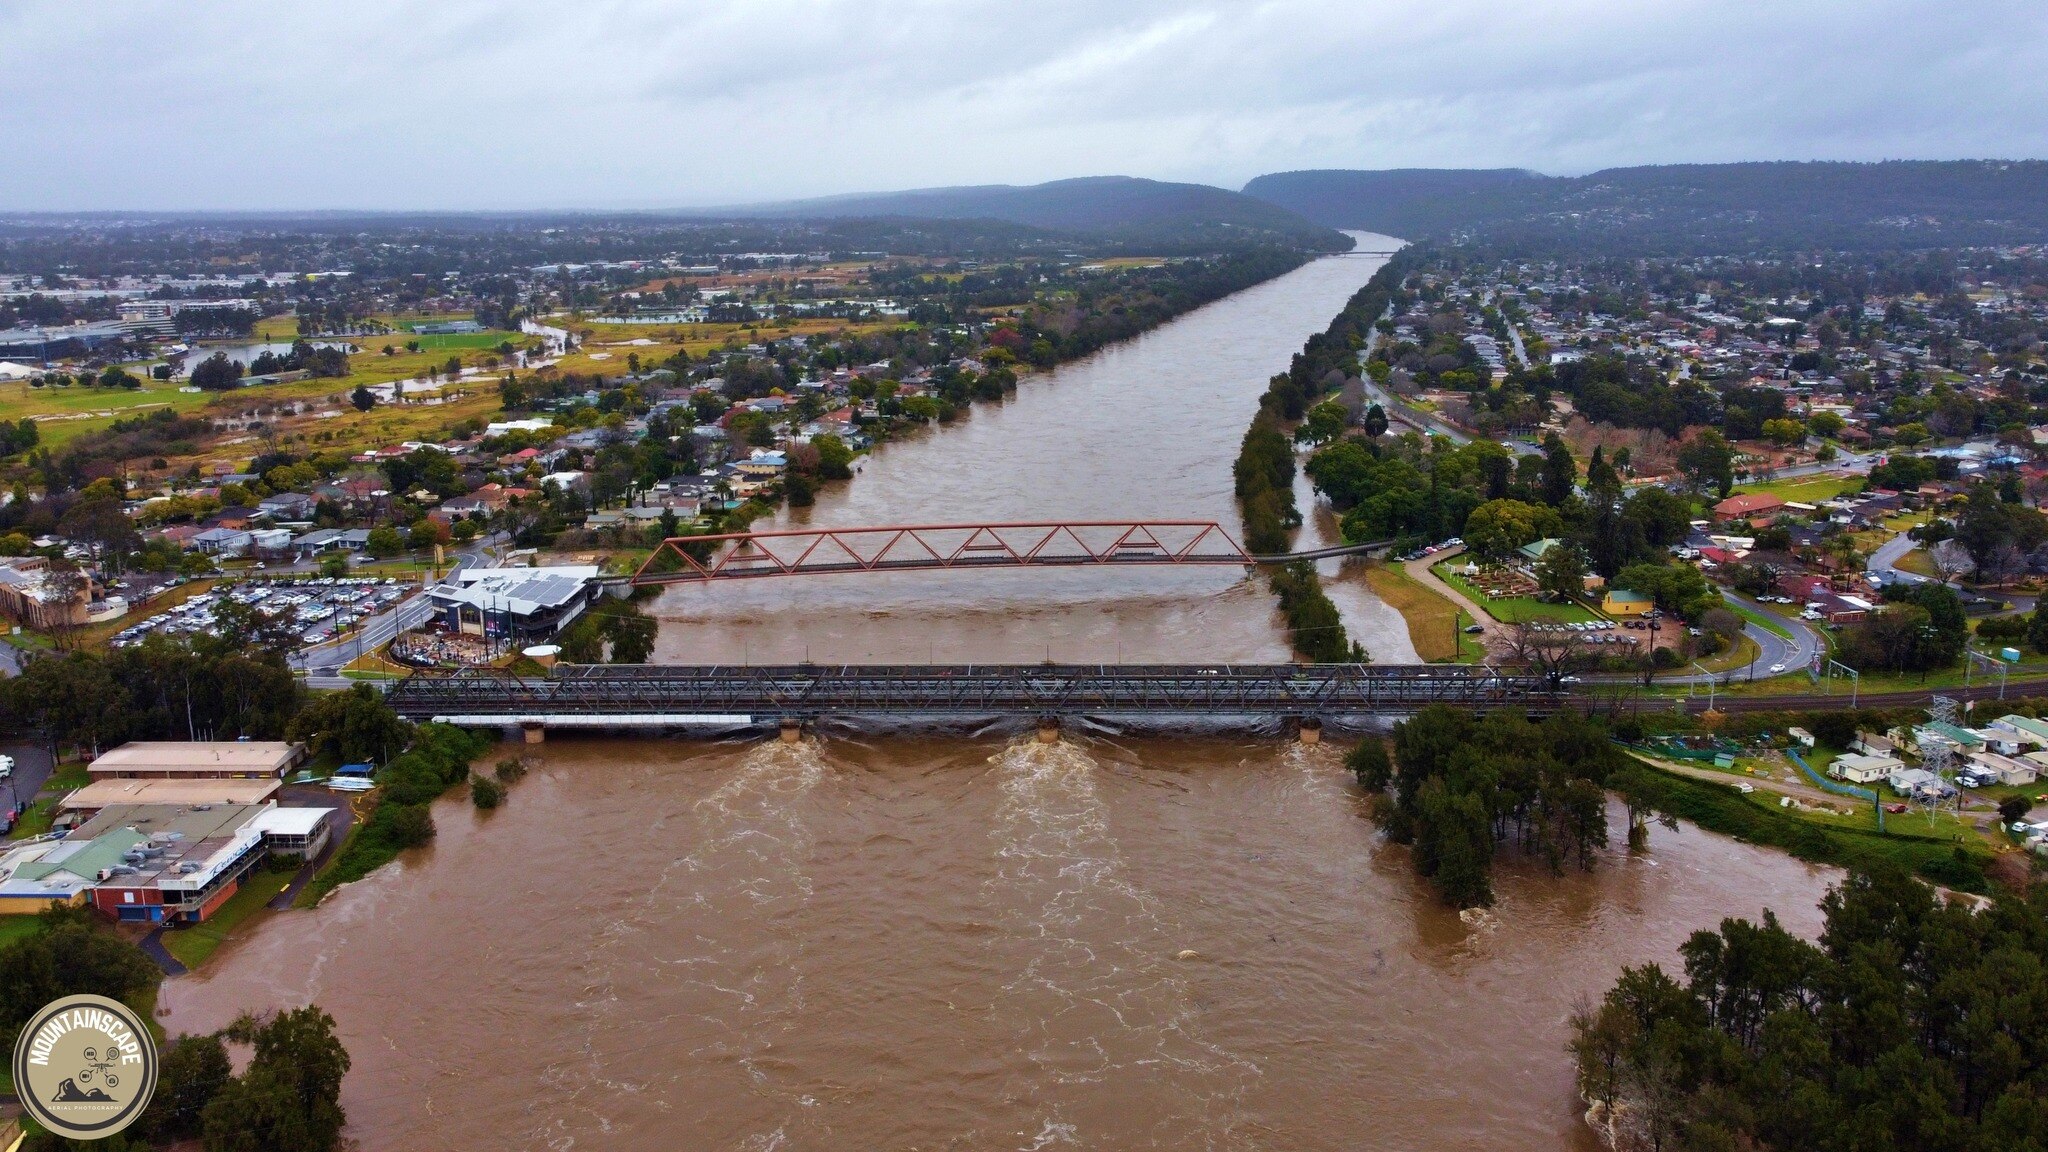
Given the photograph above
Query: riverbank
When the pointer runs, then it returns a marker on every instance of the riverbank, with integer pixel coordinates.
(1722, 809)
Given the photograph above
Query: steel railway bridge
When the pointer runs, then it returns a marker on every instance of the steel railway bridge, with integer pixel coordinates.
(683, 696)
(953, 547)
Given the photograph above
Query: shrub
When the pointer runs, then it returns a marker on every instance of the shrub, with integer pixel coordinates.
(485, 792)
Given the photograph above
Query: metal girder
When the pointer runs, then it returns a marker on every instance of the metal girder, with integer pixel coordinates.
(919, 547)
(807, 691)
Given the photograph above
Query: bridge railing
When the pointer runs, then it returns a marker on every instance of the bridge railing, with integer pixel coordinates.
(805, 690)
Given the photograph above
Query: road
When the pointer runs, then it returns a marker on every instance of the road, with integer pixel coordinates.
(32, 767)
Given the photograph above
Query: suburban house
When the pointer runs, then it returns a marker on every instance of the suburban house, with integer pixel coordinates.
(287, 506)
(1858, 768)
(2025, 728)
(2005, 768)
(1746, 507)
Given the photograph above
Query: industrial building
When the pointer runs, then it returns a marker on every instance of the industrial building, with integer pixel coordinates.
(198, 759)
(158, 863)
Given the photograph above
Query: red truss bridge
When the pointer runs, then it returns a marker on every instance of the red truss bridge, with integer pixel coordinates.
(927, 547)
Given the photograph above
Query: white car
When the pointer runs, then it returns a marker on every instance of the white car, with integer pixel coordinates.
(1777, 668)
(6, 767)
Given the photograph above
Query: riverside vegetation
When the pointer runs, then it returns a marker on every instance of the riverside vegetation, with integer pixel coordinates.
(1913, 1022)
(1458, 787)
(287, 1096)
(1264, 471)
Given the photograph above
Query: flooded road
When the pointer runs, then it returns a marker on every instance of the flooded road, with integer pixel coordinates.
(942, 943)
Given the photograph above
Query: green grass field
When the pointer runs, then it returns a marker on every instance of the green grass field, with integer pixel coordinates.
(1433, 622)
(1757, 618)
(1516, 609)
(1805, 489)
(21, 927)
(195, 945)
(1819, 837)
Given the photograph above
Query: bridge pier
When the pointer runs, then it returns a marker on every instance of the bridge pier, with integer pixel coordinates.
(1311, 732)
(791, 731)
(1048, 730)
(534, 731)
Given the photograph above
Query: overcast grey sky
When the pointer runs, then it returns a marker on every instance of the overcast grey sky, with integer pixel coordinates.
(669, 103)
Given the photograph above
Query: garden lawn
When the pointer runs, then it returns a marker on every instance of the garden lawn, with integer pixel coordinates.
(1805, 489)
(1516, 609)
(21, 927)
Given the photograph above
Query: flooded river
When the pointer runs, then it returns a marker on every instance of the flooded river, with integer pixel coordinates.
(943, 943)
(1146, 428)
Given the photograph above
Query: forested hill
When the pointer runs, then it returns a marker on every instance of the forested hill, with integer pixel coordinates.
(1388, 201)
(1112, 207)
(1688, 208)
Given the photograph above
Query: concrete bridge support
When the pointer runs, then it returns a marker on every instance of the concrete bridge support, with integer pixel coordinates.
(534, 731)
(1048, 730)
(791, 731)
(1311, 731)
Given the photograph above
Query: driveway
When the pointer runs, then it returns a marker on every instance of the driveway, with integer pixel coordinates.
(1496, 633)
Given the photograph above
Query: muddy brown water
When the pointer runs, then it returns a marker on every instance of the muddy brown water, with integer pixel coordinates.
(944, 943)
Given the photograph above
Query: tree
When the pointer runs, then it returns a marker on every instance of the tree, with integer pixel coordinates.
(1325, 423)
(363, 398)
(835, 459)
(356, 726)
(1562, 571)
(1496, 528)
(70, 956)
(485, 792)
(1784, 431)
(1560, 472)
(1554, 653)
(291, 1095)
(191, 1072)
(1375, 422)
(384, 542)
(217, 373)
(1950, 560)
(1678, 588)
(1708, 463)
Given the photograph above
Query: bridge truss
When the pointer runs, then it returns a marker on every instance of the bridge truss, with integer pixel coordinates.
(897, 548)
(682, 695)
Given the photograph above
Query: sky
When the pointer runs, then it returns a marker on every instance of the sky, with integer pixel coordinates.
(456, 104)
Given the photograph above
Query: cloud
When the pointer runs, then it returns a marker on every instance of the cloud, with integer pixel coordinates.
(668, 103)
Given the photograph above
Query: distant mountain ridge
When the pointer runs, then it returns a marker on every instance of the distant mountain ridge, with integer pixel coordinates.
(1377, 201)
(1117, 207)
(1683, 208)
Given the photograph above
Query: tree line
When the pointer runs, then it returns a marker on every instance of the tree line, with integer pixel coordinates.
(1458, 788)
(1913, 1022)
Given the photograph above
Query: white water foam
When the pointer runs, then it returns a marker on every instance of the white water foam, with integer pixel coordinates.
(1102, 1008)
